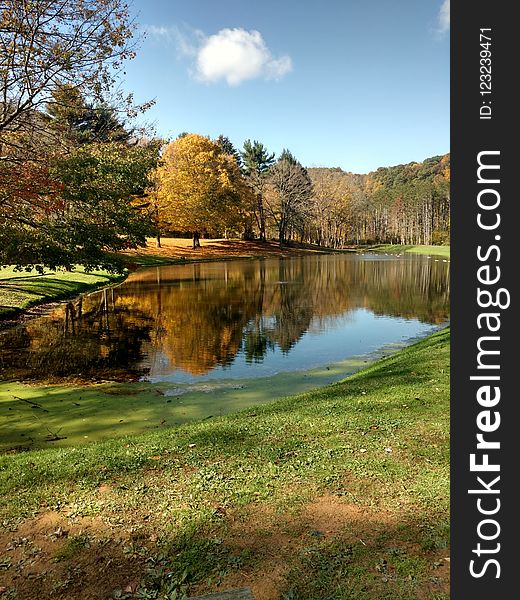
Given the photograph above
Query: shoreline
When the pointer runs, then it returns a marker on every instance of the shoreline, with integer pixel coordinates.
(66, 406)
(24, 295)
(12, 315)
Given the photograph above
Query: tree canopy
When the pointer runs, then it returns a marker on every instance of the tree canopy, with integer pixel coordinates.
(51, 43)
(291, 190)
(71, 168)
(80, 210)
(199, 187)
(82, 122)
(256, 163)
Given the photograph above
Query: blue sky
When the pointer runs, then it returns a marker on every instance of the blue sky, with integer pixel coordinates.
(355, 84)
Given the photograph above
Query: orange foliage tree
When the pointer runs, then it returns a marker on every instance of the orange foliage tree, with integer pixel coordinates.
(199, 188)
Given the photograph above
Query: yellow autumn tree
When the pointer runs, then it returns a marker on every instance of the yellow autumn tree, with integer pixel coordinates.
(200, 188)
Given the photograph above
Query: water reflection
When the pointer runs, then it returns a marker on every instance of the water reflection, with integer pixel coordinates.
(234, 318)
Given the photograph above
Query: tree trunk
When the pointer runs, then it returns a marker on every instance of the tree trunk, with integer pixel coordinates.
(158, 227)
(261, 217)
(196, 239)
(281, 232)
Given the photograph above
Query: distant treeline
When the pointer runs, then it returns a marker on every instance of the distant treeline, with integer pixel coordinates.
(208, 187)
(405, 204)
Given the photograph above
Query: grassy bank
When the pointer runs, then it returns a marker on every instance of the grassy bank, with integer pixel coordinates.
(341, 492)
(21, 290)
(401, 249)
(178, 250)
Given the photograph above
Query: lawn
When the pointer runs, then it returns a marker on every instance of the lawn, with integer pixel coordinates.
(20, 290)
(401, 249)
(179, 250)
(340, 492)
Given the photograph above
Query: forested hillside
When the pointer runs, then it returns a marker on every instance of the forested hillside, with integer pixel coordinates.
(405, 204)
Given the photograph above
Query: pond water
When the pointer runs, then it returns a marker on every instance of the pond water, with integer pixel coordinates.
(232, 320)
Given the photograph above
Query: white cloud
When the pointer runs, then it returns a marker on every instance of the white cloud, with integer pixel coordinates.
(444, 16)
(231, 55)
(158, 30)
(173, 35)
(236, 55)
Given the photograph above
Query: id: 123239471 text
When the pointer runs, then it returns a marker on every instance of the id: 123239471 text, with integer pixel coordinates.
(485, 73)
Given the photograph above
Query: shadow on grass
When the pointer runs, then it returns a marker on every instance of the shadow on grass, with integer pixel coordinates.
(326, 549)
(22, 276)
(49, 286)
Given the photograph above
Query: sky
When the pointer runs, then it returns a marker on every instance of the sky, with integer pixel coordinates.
(356, 84)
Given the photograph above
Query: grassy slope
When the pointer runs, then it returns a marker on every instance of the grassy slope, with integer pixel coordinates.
(378, 441)
(398, 249)
(21, 290)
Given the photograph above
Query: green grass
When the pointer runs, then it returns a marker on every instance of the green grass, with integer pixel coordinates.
(378, 440)
(72, 547)
(20, 290)
(398, 249)
(383, 570)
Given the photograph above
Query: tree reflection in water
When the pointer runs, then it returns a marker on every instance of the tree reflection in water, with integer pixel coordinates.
(92, 338)
(200, 316)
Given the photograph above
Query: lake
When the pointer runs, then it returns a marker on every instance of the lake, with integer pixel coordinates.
(232, 320)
